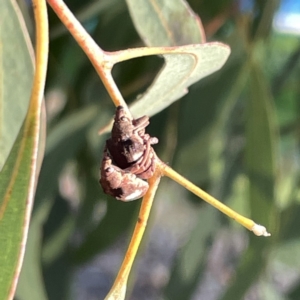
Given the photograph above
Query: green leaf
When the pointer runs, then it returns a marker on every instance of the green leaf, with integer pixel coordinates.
(166, 23)
(19, 173)
(261, 151)
(31, 274)
(173, 23)
(15, 205)
(16, 73)
(64, 141)
(184, 66)
(260, 158)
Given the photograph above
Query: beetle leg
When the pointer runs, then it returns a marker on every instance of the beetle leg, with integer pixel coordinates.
(141, 163)
(140, 124)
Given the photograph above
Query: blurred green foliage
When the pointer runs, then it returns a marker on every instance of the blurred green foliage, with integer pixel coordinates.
(235, 134)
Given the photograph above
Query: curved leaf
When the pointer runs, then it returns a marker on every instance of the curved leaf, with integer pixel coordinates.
(31, 274)
(166, 23)
(64, 141)
(16, 73)
(260, 161)
(19, 173)
(184, 66)
(171, 23)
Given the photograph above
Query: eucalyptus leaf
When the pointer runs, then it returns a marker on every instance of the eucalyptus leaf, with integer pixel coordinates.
(31, 274)
(173, 23)
(184, 66)
(260, 161)
(19, 173)
(15, 205)
(166, 22)
(16, 74)
(262, 137)
(64, 141)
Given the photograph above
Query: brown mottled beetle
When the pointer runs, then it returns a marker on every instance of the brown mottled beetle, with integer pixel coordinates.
(130, 158)
(129, 145)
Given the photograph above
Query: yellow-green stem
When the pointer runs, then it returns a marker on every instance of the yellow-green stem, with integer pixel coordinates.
(118, 289)
(99, 58)
(248, 223)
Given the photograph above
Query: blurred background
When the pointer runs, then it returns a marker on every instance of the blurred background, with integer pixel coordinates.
(235, 134)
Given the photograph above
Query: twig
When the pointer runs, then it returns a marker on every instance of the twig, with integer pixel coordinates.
(99, 58)
(118, 290)
(248, 223)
